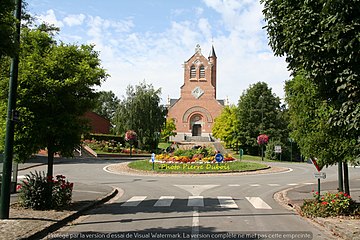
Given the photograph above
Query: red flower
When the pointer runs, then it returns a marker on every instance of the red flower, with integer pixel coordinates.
(130, 135)
(262, 139)
(324, 203)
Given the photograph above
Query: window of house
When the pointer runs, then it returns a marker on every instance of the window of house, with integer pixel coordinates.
(192, 72)
(202, 72)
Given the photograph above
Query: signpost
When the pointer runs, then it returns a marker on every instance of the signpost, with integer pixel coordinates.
(318, 175)
(153, 160)
(278, 150)
(219, 157)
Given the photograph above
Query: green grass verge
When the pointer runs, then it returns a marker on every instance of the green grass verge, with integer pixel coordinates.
(236, 166)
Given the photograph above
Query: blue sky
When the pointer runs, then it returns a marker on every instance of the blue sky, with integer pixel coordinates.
(150, 40)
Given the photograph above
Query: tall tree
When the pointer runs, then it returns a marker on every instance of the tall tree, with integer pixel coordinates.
(7, 28)
(225, 126)
(106, 104)
(322, 38)
(141, 111)
(55, 89)
(258, 113)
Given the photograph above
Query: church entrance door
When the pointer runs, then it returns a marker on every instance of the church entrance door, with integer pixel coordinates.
(196, 130)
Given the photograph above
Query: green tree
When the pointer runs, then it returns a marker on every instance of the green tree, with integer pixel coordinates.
(55, 89)
(168, 130)
(7, 28)
(225, 126)
(141, 111)
(259, 112)
(309, 122)
(106, 104)
(322, 38)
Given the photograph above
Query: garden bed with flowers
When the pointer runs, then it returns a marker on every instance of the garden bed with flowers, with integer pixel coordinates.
(194, 159)
(196, 167)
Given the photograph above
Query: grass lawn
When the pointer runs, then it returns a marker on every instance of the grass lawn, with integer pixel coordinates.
(236, 166)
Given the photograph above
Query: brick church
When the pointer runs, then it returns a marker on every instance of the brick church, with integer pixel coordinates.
(194, 112)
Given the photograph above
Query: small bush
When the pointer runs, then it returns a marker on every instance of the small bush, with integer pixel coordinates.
(330, 205)
(40, 192)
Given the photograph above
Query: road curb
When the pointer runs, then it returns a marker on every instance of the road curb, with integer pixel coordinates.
(55, 226)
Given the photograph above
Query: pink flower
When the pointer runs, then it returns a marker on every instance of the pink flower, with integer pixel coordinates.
(262, 139)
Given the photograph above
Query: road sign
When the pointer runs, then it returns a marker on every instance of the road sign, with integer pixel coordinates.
(219, 157)
(153, 157)
(320, 175)
(315, 164)
(277, 149)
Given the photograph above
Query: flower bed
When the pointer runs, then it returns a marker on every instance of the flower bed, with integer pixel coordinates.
(198, 155)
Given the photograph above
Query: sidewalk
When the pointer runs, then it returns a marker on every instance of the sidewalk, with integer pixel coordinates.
(345, 228)
(30, 224)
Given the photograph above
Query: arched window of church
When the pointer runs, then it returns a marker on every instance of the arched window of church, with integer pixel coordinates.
(192, 72)
(202, 72)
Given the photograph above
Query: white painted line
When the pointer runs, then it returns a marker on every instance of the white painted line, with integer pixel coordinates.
(234, 185)
(195, 225)
(292, 184)
(196, 201)
(309, 183)
(227, 202)
(195, 190)
(164, 201)
(258, 203)
(274, 185)
(134, 201)
(255, 185)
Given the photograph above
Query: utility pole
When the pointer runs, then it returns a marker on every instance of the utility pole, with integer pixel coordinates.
(10, 123)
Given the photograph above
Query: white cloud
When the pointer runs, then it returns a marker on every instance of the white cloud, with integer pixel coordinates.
(74, 20)
(244, 57)
(50, 18)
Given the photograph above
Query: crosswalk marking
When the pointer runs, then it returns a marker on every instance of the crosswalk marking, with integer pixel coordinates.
(273, 184)
(292, 184)
(134, 201)
(258, 203)
(164, 201)
(308, 183)
(227, 202)
(196, 201)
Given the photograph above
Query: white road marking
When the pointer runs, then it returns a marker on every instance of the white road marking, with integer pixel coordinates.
(195, 190)
(227, 202)
(195, 224)
(164, 201)
(292, 184)
(274, 185)
(196, 201)
(258, 203)
(308, 183)
(134, 201)
(255, 185)
(234, 185)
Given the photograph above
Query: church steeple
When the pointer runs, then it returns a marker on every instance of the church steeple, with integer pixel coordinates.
(212, 52)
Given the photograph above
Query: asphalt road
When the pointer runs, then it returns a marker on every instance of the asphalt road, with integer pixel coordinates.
(194, 206)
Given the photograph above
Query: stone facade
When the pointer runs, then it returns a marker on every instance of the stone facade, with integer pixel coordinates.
(194, 112)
